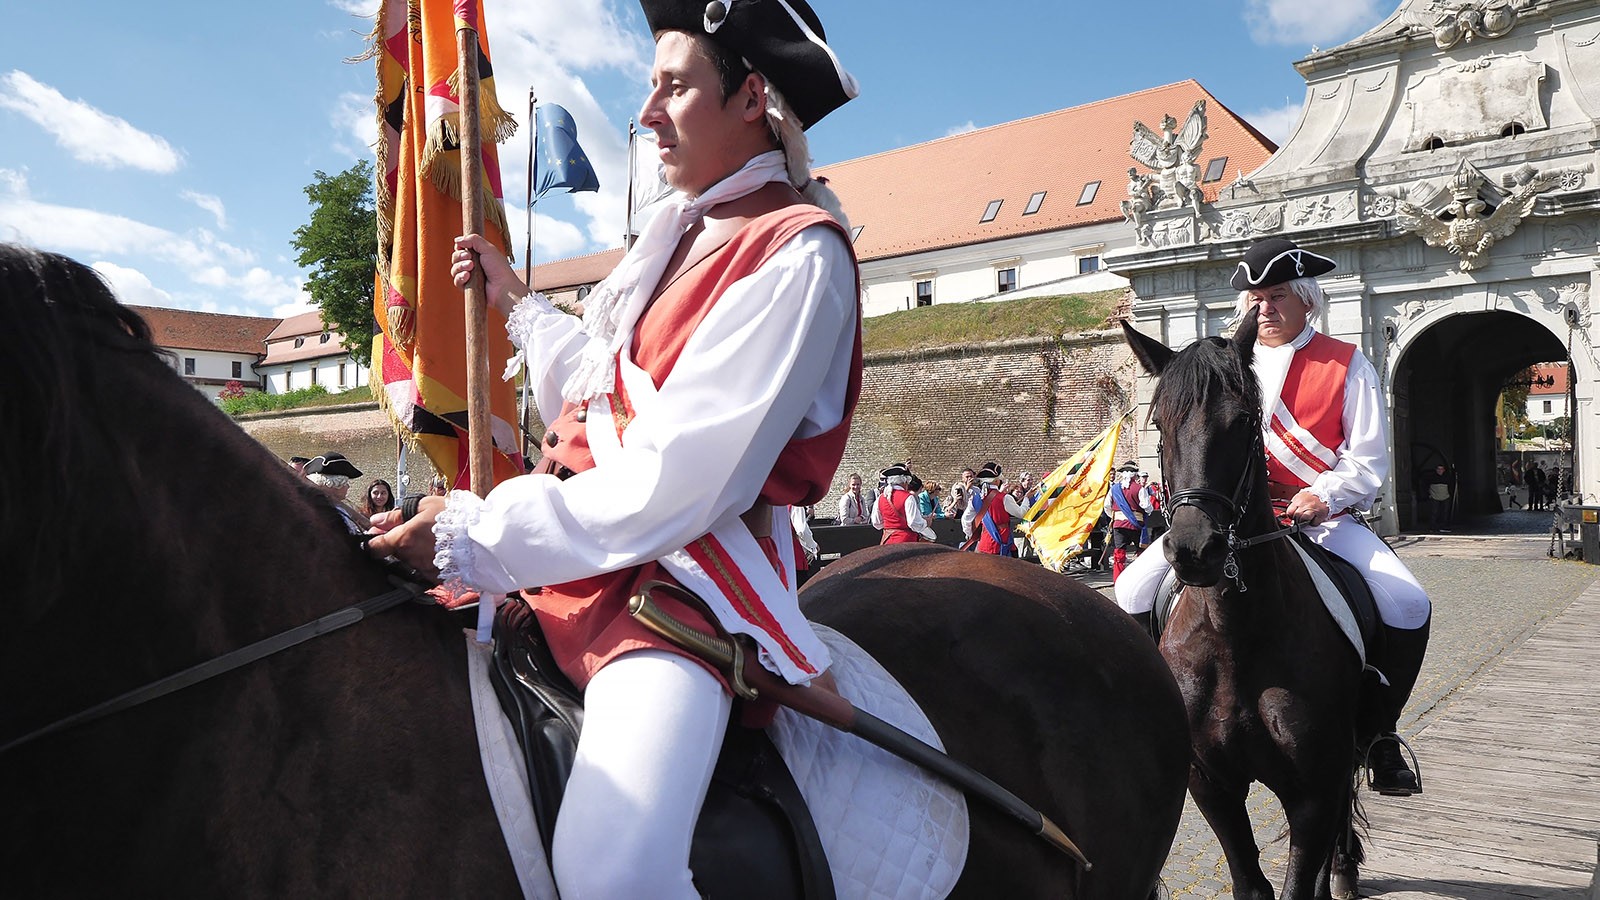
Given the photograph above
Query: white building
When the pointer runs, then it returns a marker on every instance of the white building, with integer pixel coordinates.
(1022, 209)
(210, 350)
(301, 352)
(1547, 396)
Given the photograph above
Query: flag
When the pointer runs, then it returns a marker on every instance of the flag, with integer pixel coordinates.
(648, 184)
(420, 372)
(1071, 499)
(560, 162)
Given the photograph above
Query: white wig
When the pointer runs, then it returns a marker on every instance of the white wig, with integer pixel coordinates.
(329, 481)
(1306, 288)
(791, 135)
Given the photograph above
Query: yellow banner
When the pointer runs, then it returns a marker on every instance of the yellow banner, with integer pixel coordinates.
(1071, 499)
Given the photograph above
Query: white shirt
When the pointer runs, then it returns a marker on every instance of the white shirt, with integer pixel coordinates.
(1363, 459)
(700, 457)
(1143, 502)
(915, 520)
(800, 520)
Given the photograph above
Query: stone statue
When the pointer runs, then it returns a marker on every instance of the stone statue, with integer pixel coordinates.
(1462, 227)
(1140, 201)
(1172, 154)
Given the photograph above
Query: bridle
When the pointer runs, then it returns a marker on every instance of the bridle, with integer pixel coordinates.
(1231, 507)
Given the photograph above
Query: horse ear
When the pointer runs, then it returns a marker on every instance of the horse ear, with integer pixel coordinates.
(1151, 353)
(1244, 337)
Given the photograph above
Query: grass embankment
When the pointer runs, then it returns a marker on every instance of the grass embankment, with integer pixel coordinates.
(941, 325)
(954, 324)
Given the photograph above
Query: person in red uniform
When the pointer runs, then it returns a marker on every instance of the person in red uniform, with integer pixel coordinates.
(1128, 504)
(898, 512)
(991, 508)
(708, 388)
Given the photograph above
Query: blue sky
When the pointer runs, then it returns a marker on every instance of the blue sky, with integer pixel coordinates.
(170, 149)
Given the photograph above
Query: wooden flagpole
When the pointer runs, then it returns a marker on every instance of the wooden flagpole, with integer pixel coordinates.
(480, 446)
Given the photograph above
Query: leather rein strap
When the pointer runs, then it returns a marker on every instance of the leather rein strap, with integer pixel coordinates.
(227, 662)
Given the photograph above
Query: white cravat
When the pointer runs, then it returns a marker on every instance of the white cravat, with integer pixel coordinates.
(616, 303)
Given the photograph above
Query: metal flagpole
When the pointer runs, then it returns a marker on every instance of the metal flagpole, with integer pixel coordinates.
(526, 410)
(633, 149)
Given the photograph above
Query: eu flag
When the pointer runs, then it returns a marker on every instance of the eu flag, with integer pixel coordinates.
(560, 162)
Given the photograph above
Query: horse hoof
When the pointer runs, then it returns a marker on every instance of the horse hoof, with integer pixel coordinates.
(1342, 880)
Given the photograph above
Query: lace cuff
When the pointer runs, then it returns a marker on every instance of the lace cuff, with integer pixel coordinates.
(453, 549)
(520, 326)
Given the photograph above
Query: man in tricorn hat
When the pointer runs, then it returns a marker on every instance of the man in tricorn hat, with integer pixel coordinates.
(897, 512)
(989, 511)
(1128, 504)
(1323, 426)
(709, 387)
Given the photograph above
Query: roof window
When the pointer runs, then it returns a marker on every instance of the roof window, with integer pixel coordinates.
(855, 233)
(1034, 202)
(1216, 169)
(992, 211)
(323, 339)
(299, 342)
(1089, 190)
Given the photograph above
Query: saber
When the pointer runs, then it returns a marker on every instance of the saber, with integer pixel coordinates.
(835, 711)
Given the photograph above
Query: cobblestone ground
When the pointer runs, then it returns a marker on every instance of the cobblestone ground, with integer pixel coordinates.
(1492, 584)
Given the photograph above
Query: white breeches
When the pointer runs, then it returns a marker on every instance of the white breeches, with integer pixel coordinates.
(1401, 601)
(652, 729)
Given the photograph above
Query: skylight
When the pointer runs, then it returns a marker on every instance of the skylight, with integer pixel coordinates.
(1034, 202)
(991, 212)
(1089, 190)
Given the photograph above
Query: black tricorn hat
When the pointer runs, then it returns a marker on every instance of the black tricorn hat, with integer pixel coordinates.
(989, 472)
(1129, 466)
(332, 464)
(898, 470)
(299, 459)
(1276, 260)
(782, 39)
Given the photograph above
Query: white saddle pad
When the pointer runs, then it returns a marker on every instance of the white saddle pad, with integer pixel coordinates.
(890, 829)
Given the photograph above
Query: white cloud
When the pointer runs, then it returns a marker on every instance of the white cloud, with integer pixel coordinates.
(1299, 22)
(963, 128)
(1277, 123)
(210, 203)
(91, 136)
(355, 125)
(132, 286)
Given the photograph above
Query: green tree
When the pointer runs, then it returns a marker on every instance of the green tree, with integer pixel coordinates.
(340, 247)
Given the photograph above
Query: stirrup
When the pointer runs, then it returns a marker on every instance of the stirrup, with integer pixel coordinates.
(1416, 768)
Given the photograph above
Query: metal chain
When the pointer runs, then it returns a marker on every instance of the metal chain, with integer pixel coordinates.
(1558, 543)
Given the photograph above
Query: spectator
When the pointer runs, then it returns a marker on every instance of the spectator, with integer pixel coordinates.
(897, 512)
(1439, 496)
(855, 507)
(380, 498)
(1536, 486)
(929, 500)
(806, 551)
(1155, 524)
(956, 504)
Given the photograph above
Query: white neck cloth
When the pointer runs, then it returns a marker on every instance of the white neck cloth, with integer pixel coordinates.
(616, 303)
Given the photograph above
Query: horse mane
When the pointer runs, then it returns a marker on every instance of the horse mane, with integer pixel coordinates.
(1193, 373)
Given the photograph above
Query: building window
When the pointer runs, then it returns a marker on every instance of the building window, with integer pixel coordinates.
(238, 369)
(855, 233)
(1034, 202)
(1434, 144)
(1087, 264)
(925, 292)
(1512, 130)
(299, 342)
(342, 382)
(188, 365)
(1007, 280)
(323, 339)
(1547, 406)
(313, 376)
(1089, 190)
(1216, 169)
(992, 211)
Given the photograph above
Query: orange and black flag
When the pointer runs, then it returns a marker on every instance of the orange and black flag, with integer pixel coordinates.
(421, 374)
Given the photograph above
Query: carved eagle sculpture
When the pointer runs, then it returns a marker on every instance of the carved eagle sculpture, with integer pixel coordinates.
(1461, 227)
(1171, 153)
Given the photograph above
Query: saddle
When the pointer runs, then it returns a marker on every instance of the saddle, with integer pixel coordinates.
(1346, 578)
(755, 836)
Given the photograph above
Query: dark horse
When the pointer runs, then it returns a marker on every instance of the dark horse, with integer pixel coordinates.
(146, 533)
(1270, 682)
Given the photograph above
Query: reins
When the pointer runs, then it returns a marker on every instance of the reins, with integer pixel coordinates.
(1233, 506)
(227, 662)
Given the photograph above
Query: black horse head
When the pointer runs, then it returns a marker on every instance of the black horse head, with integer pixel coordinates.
(1207, 407)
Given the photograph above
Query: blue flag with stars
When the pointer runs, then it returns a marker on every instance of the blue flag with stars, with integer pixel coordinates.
(560, 162)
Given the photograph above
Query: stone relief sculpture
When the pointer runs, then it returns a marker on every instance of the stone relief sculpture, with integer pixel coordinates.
(1141, 199)
(1172, 155)
(1238, 224)
(1463, 227)
(1455, 21)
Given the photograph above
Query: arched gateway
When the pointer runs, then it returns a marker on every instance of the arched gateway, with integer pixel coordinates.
(1447, 161)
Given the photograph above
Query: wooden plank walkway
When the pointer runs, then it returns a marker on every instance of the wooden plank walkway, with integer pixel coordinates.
(1511, 802)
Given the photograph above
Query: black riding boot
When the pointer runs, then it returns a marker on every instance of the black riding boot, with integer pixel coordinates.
(1403, 650)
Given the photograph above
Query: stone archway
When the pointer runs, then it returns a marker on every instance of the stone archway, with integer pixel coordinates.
(1443, 390)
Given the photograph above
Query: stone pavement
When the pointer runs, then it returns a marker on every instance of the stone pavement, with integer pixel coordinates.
(1494, 589)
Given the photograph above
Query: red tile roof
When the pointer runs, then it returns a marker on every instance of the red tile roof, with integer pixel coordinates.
(1557, 371)
(182, 329)
(296, 326)
(574, 271)
(932, 195)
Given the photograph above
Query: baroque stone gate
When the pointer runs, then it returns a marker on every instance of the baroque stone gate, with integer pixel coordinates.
(1447, 160)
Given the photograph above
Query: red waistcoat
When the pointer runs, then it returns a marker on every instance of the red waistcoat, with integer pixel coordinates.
(892, 512)
(1305, 430)
(995, 508)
